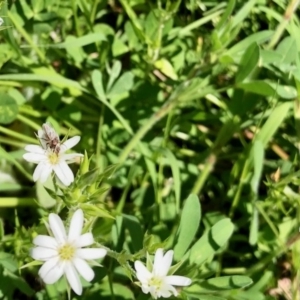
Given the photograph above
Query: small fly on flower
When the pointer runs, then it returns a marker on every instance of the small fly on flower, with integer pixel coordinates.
(49, 138)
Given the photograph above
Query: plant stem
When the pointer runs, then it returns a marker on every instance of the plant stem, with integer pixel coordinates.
(144, 129)
(209, 164)
(99, 139)
(15, 202)
(19, 136)
(26, 36)
(283, 24)
(28, 122)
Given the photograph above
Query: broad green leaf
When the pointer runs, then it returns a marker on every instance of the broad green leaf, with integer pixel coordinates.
(227, 282)
(122, 85)
(248, 62)
(258, 37)
(166, 68)
(257, 87)
(8, 262)
(95, 211)
(267, 88)
(135, 230)
(76, 53)
(43, 197)
(189, 224)
(119, 47)
(21, 284)
(274, 121)
(270, 57)
(97, 80)
(8, 109)
(107, 172)
(284, 91)
(243, 13)
(211, 241)
(287, 50)
(88, 178)
(114, 74)
(197, 291)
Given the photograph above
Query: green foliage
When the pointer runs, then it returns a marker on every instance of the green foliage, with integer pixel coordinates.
(188, 114)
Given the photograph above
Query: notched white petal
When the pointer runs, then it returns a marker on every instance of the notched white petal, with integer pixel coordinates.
(34, 149)
(41, 253)
(70, 143)
(38, 171)
(73, 278)
(142, 273)
(51, 271)
(84, 240)
(91, 253)
(178, 280)
(57, 227)
(84, 269)
(166, 263)
(34, 157)
(71, 157)
(64, 173)
(76, 225)
(45, 241)
(46, 171)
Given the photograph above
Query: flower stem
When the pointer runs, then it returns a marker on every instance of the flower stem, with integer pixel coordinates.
(283, 24)
(144, 129)
(19, 136)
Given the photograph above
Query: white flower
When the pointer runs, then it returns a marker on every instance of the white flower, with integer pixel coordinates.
(157, 282)
(1, 21)
(49, 160)
(63, 254)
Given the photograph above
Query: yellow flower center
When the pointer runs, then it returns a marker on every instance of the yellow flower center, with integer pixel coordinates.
(53, 158)
(156, 282)
(66, 252)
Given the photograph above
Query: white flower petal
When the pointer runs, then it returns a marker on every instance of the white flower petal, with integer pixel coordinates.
(39, 170)
(57, 227)
(70, 143)
(145, 289)
(153, 292)
(158, 261)
(166, 293)
(45, 173)
(71, 157)
(51, 271)
(41, 253)
(64, 173)
(91, 253)
(34, 149)
(45, 241)
(34, 157)
(76, 225)
(73, 278)
(84, 240)
(83, 269)
(162, 269)
(178, 280)
(142, 273)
